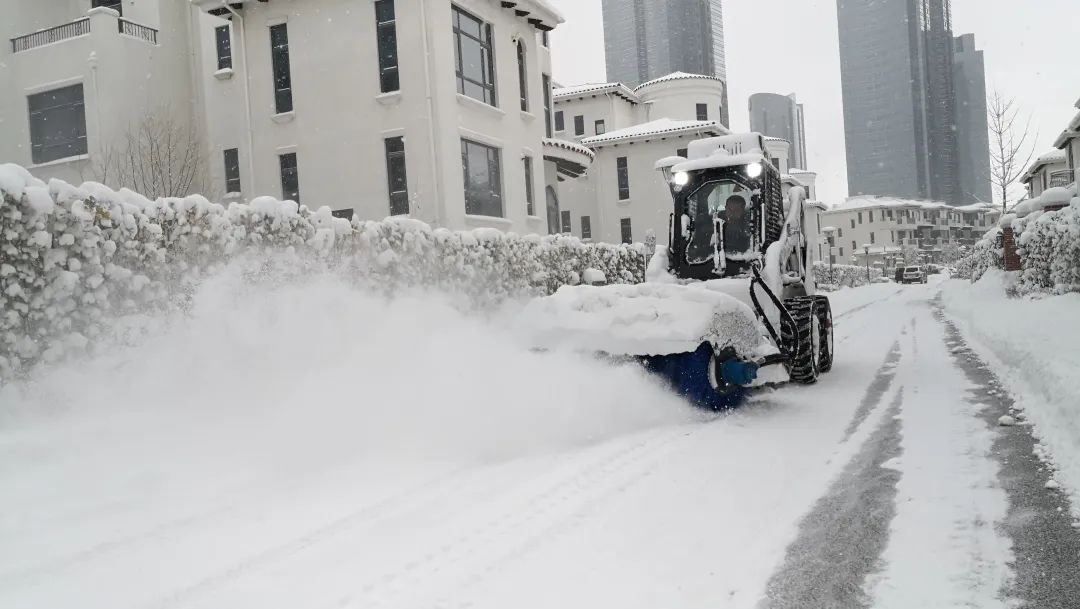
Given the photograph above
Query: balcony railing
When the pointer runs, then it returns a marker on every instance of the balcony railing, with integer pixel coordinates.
(1063, 177)
(142, 32)
(74, 29)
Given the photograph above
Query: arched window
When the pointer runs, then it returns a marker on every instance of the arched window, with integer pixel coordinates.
(553, 216)
(523, 80)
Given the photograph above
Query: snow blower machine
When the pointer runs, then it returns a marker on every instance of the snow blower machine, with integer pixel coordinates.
(730, 304)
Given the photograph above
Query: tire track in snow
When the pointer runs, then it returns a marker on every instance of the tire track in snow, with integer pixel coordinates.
(876, 391)
(1045, 543)
(842, 538)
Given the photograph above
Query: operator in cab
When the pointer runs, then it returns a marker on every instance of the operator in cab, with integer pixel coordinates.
(738, 238)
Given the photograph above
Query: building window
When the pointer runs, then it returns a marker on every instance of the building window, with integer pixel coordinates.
(57, 124)
(703, 112)
(627, 232)
(853, 223)
(552, 200)
(475, 62)
(560, 122)
(841, 252)
(224, 47)
(579, 125)
(530, 204)
(566, 228)
(872, 239)
(860, 217)
(386, 33)
(586, 227)
(290, 177)
(545, 39)
(345, 214)
(547, 104)
(840, 233)
(623, 172)
(116, 5)
(854, 246)
(232, 170)
(483, 179)
(523, 78)
(601, 129)
(396, 177)
(279, 51)
(683, 152)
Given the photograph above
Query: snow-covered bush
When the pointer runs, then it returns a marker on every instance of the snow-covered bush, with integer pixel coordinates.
(1049, 247)
(984, 255)
(72, 260)
(842, 275)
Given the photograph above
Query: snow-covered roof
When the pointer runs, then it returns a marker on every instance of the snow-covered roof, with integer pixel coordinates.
(1052, 157)
(797, 171)
(595, 89)
(1071, 132)
(872, 202)
(660, 126)
(675, 76)
(570, 159)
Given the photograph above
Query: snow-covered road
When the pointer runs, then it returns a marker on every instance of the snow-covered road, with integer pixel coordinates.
(587, 487)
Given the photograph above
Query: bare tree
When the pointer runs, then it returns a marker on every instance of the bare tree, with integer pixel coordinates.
(157, 157)
(1008, 142)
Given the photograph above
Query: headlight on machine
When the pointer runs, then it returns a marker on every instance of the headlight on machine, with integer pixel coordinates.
(681, 178)
(753, 170)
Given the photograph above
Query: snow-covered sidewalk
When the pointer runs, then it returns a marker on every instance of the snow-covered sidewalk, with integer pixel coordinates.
(1034, 347)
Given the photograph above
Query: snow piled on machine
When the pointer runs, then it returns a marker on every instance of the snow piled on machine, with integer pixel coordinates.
(644, 319)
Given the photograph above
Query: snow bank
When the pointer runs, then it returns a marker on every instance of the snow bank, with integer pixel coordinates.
(75, 260)
(644, 319)
(1034, 343)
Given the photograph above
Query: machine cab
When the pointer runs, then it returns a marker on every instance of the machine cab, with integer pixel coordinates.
(728, 206)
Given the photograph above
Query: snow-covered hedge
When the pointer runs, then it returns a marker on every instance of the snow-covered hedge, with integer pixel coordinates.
(1049, 246)
(984, 255)
(842, 275)
(74, 259)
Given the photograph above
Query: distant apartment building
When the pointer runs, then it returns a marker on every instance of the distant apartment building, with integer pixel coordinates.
(899, 72)
(781, 116)
(880, 230)
(623, 197)
(435, 110)
(645, 39)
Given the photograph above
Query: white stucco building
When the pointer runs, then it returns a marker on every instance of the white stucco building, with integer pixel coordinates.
(623, 197)
(1046, 171)
(438, 109)
(77, 75)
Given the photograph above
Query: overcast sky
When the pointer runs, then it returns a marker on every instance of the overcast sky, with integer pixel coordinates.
(785, 46)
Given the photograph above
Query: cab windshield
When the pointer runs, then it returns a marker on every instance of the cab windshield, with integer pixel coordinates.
(724, 203)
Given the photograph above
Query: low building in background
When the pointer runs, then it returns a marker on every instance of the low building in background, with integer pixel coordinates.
(888, 232)
(1069, 143)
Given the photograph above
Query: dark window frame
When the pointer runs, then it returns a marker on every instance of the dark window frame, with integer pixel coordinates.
(622, 171)
(586, 227)
(46, 146)
(397, 176)
(702, 112)
(560, 121)
(223, 45)
(290, 177)
(116, 5)
(493, 161)
(565, 221)
(579, 124)
(600, 127)
(231, 157)
(626, 230)
(530, 200)
(523, 75)
(487, 56)
(387, 46)
(683, 152)
(282, 70)
(546, 83)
